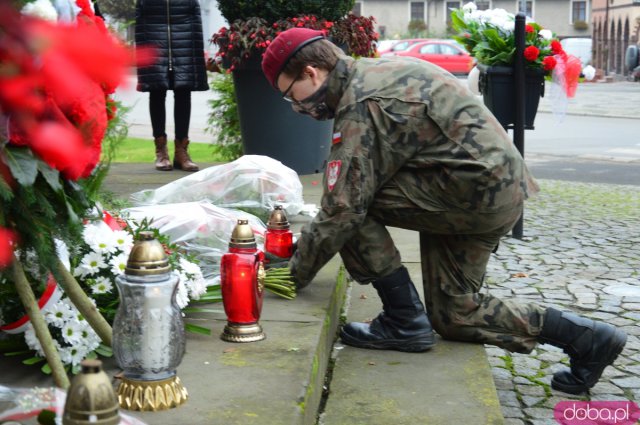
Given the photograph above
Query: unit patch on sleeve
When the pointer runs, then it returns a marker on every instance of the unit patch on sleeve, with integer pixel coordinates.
(337, 138)
(333, 172)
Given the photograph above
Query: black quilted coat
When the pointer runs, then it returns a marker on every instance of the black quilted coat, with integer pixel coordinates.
(174, 29)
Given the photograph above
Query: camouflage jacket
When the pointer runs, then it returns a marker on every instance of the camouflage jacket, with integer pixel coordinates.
(410, 123)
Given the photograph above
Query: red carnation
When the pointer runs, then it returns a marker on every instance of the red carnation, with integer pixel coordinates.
(7, 240)
(556, 47)
(531, 53)
(549, 63)
(529, 28)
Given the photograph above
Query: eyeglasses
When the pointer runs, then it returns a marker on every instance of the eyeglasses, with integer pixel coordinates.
(285, 94)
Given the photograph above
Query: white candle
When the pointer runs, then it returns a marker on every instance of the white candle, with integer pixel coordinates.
(156, 333)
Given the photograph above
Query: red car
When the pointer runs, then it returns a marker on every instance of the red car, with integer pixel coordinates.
(446, 54)
(392, 46)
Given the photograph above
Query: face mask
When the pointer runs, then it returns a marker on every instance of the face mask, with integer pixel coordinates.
(315, 105)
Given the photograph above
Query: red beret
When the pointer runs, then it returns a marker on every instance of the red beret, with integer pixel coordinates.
(283, 47)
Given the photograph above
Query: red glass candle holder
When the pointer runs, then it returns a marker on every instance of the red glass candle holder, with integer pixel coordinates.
(278, 240)
(242, 273)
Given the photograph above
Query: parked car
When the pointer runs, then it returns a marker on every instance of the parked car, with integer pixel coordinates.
(386, 47)
(446, 54)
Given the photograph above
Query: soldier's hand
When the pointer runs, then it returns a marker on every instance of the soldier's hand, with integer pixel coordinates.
(274, 262)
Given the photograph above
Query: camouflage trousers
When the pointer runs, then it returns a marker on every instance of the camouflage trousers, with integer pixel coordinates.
(455, 248)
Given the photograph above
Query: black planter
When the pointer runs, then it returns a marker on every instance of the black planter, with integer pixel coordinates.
(270, 127)
(496, 84)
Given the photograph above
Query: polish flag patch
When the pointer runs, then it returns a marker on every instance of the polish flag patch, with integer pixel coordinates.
(333, 172)
(337, 138)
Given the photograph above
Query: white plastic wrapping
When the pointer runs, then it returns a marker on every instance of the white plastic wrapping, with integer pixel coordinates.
(201, 228)
(252, 183)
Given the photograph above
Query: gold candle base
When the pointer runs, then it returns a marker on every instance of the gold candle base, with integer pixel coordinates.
(151, 396)
(234, 332)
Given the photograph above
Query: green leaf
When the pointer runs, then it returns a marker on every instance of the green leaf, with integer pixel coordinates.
(52, 176)
(33, 360)
(104, 351)
(47, 417)
(17, 353)
(46, 369)
(201, 310)
(23, 165)
(197, 329)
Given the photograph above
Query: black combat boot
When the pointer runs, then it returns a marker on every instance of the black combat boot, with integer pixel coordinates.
(402, 326)
(591, 346)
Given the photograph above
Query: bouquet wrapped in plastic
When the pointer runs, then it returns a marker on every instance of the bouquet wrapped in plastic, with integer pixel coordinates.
(201, 228)
(252, 183)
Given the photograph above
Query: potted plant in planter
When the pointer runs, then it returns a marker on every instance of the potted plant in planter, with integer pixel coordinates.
(488, 35)
(268, 124)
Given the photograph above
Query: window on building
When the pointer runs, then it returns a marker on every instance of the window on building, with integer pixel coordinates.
(417, 11)
(447, 11)
(357, 9)
(483, 4)
(579, 11)
(529, 6)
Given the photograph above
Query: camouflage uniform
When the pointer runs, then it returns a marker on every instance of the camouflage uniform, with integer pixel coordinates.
(413, 148)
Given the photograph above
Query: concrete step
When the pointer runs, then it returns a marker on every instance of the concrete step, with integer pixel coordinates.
(280, 380)
(450, 384)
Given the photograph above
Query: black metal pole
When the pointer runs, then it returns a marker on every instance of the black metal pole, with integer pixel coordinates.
(519, 96)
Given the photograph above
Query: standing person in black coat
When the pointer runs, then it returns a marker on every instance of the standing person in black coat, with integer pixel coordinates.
(173, 28)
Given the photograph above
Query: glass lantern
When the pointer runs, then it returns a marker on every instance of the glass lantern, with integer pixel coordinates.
(279, 238)
(148, 331)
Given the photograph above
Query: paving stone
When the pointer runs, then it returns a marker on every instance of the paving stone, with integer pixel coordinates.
(513, 421)
(539, 413)
(630, 382)
(531, 401)
(500, 373)
(608, 397)
(531, 390)
(512, 412)
(606, 388)
(508, 398)
(504, 384)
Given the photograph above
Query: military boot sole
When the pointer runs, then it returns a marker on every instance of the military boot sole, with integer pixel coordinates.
(614, 349)
(416, 344)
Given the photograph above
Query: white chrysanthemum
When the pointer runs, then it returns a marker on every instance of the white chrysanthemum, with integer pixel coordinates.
(91, 264)
(99, 237)
(73, 355)
(102, 286)
(502, 19)
(59, 314)
(123, 240)
(42, 9)
(182, 295)
(191, 276)
(32, 341)
(72, 332)
(118, 264)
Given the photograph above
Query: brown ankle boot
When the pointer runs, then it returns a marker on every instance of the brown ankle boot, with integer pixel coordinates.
(162, 155)
(181, 158)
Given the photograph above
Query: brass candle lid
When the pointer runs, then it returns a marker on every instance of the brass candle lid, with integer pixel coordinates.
(242, 236)
(90, 398)
(278, 219)
(147, 257)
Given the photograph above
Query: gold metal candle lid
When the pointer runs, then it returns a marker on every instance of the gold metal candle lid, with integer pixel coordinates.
(278, 219)
(242, 236)
(91, 398)
(147, 257)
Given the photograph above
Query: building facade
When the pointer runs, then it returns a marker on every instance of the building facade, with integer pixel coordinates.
(567, 18)
(615, 26)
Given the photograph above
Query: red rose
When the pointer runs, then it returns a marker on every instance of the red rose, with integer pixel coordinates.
(531, 53)
(529, 28)
(556, 47)
(549, 63)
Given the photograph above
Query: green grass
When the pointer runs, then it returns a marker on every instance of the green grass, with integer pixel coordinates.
(142, 150)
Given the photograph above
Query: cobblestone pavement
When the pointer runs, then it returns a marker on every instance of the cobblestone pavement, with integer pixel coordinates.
(580, 253)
